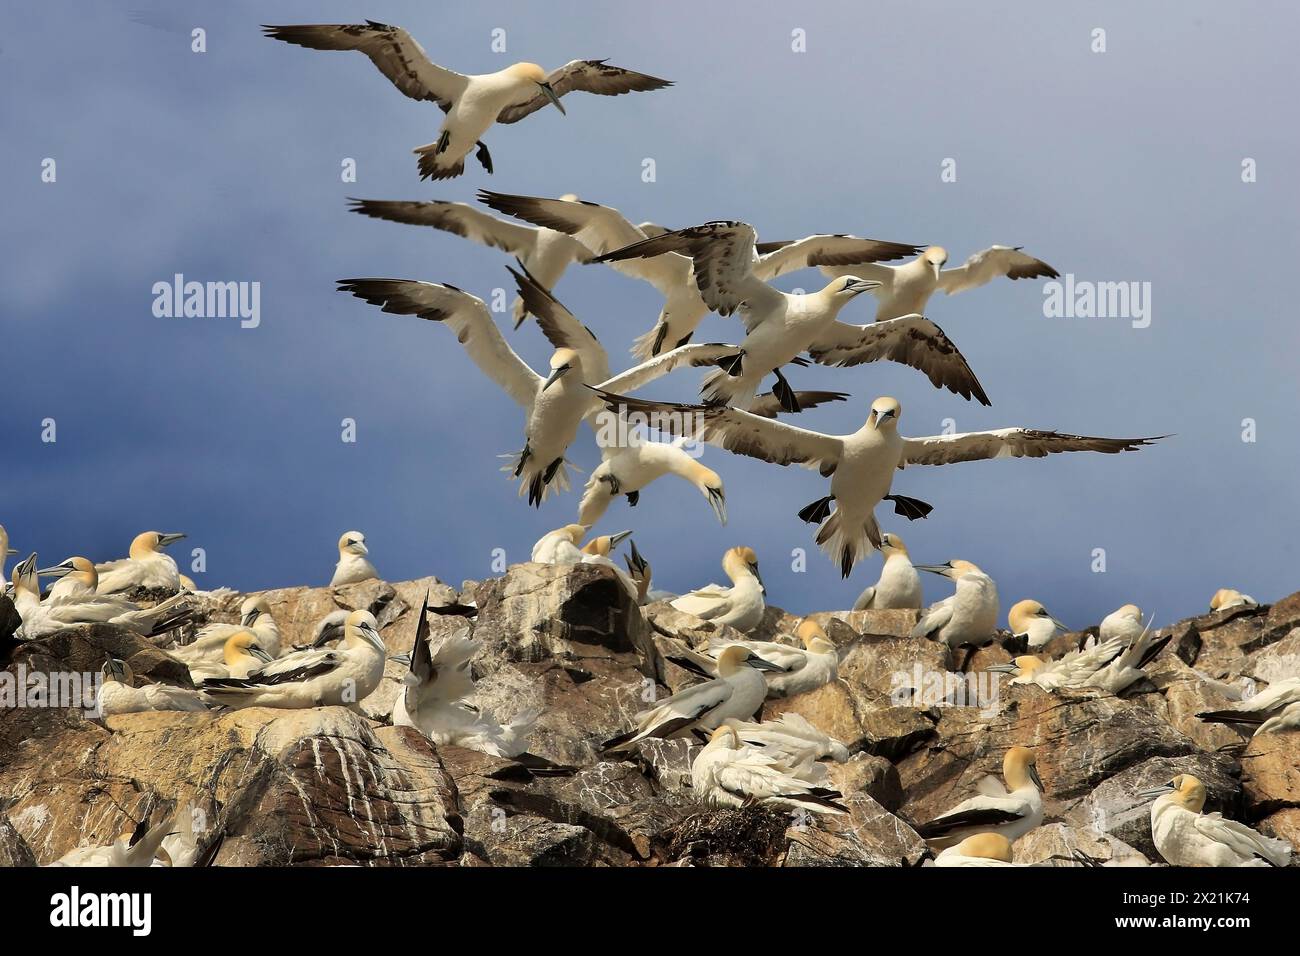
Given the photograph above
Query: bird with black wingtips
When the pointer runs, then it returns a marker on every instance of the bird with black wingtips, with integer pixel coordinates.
(1032, 623)
(969, 616)
(1141, 648)
(1079, 668)
(242, 655)
(1264, 709)
(728, 773)
(801, 668)
(86, 605)
(119, 695)
(209, 644)
(1011, 811)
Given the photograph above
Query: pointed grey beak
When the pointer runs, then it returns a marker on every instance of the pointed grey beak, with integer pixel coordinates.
(858, 286)
(549, 92)
(9, 551)
(260, 654)
(250, 617)
(555, 376)
(941, 569)
(718, 502)
(166, 539)
(1154, 792)
(758, 577)
(328, 634)
(614, 539)
(402, 658)
(763, 665)
(1002, 668)
(58, 571)
(1038, 781)
(1058, 623)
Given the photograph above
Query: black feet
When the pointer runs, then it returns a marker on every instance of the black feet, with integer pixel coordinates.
(484, 157)
(785, 394)
(818, 511)
(732, 364)
(909, 508)
(632, 498)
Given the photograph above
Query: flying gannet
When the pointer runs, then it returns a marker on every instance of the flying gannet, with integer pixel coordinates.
(737, 691)
(861, 466)
(728, 773)
(353, 565)
(209, 644)
(899, 586)
(801, 668)
(1033, 623)
(1225, 598)
(1010, 811)
(1266, 711)
(86, 605)
(906, 288)
(554, 406)
(1078, 668)
(472, 103)
(146, 565)
(781, 325)
(982, 849)
(969, 617)
(341, 676)
(796, 743)
(1185, 836)
(741, 605)
(545, 253)
(242, 654)
(604, 230)
(119, 695)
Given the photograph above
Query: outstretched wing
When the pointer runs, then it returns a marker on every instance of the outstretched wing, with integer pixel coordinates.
(778, 258)
(585, 76)
(1008, 443)
(994, 261)
(457, 218)
(768, 405)
(641, 375)
(560, 326)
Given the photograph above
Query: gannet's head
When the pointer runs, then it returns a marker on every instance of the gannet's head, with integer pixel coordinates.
(362, 626)
(638, 568)
(563, 362)
(814, 637)
(604, 544)
(884, 413)
(78, 568)
(354, 543)
(24, 576)
(253, 608)
(843, 288)
(891, 544)
(242, 644)
(710, 485)
(955, 570)
(986, 846)
(187, 583)
(1020, 768)
(163, 857)
(1131, 611)
(151, 542)
(117, 670)
(741, 561)
(573, 532)
(1026, 664)
(726, 736)
(1023, 614)
(531, 77)
(1226, 597)
(935, 257)
(736, 656)
(1184, 790)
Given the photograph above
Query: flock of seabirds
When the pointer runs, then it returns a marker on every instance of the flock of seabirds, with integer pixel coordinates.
(714, 267)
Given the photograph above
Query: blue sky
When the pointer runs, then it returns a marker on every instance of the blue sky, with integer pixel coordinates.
(225, 165)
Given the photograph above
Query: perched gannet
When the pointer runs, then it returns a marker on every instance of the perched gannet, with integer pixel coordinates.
(87, 605)
(794, 742)
(1032, 622)
(472, 103)
(338, 676)
(353, 565)
(146, 566)
(254, 615)
(1187, 837)
(1078, 668)
(899, 586)
(1225, 598)
(242, 655)
(969, 618)
(604, 230)
(1264, 711)
(740, 605)
(555, 406)
(738, 691)
(982, 849)
(781, 325)
(137, 847)
(801, 669)
(639, 570)
(5, 551)
(560, 546)
(729, 774)
(907, 288)
(597, 551)
(118, 695)
(1010, 812)
(1124, 623)
(1126, 669)
(861, 465)
(433, 690)
(545, 253)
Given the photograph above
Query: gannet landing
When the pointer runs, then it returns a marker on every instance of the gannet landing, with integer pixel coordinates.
(969, 618)
(1187, 837)
(729, 774)
(861, 466)
(554, 406)
(545, 253)
(1032, 623)
(118, 695)
(146, 566)
(1011, 813)
(472, 103)
(737, 691)
(907, 288)
(899, 586)
(781, 325)
(1225, 598)
(353, 565)
(801, 669)
(1264, 711)
(242, 654)
(84, 605)
(982, 849)
(740, 605)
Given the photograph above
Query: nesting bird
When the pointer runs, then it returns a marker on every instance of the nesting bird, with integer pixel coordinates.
(145, 566)
(1226, 598)
(353, 564)
(969, 618)
(899, 586)
(561, 546)
(118, 695)
(728, 773)
(84, 603)
(1272, 709)
(794, 742)
(1033, 623)
(136, 847)
(741, 606)
(254, 617)
(801, 668)
(1078, 668)
(472, 104)
(1010, 811)
(1140, 649)
(1186, 836)
(982, 849)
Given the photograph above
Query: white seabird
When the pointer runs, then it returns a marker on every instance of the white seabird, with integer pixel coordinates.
(1140, 649)
(738, 691)
(728, 773)
(899, 586)
(1078, 668)
(137, 847)
(861, 466)
(1010, 811)
(1264, 710)
(740, 605)
(982, 849)
(794, 742)
(353, 564)
(1225, 598)
(1185, 836)
(1033, 623)
(146, 565)
(604, 230)
(969, 617)
(561, 546)
(781, 325)
(597, 551)
(907, 288)
(85, 605)
(545, 253)
(209, 644)
(242, 655)
(626, 470)
(801, 668)
(1124, 623)
(118, 695)
(473, 104)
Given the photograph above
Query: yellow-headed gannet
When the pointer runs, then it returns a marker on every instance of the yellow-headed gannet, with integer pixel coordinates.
(794, 742)
(1264, 711)
(899, 586)
(118, 695)
(781, 325)
(1141, 645)
(1010, 811)
(254, 615)
(728, 773)
(740, 605)
(738, 691)
(554, 406)
(907, 288)
(969, 618)
(639, 570)
(1078, 668)
(431, 699)
(802, 668)
(146, 565)
(137, 847)
(242, 654)
(982, 849)
(627, 470)
(1033, 623)
(472, 103)
(598, 550)
(545, 253)
(353, 565)
(328, 677)
(861, 465)
(84, 605)
(604, 231)
(1185, 836)
(1225, 598)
